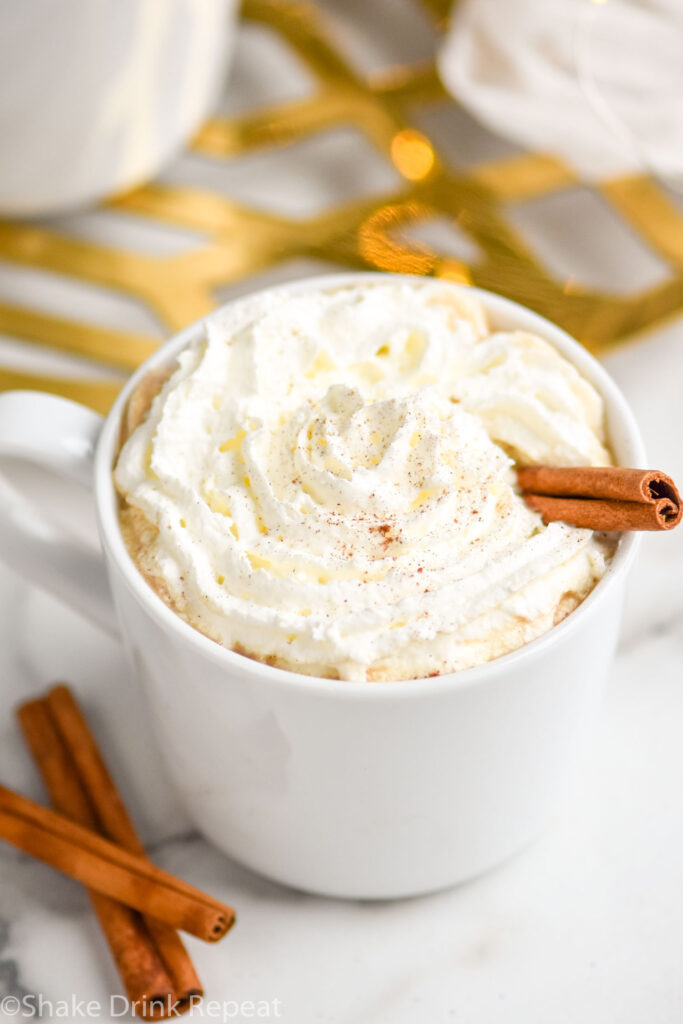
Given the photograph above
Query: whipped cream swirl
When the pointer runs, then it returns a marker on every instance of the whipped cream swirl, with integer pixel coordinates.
(325, 481)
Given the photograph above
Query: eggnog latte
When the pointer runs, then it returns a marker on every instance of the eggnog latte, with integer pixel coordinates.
(324, 482)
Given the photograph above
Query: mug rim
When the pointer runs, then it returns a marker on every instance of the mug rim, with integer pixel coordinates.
(618, 412)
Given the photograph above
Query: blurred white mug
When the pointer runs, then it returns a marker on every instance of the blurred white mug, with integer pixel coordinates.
(96, 95)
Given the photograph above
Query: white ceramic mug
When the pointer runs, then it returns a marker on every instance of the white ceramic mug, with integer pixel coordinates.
(97, 96)
(347, 789)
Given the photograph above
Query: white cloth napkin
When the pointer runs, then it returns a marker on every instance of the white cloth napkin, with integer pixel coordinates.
(598, 83)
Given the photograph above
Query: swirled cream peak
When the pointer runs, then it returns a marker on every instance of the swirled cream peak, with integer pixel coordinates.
(324, 482)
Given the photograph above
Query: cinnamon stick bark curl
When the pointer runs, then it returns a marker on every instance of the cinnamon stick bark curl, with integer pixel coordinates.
(611, 498)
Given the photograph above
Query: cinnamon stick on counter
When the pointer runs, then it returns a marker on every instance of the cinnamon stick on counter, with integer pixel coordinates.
(114, 822)
(146, 981)
(101, 865)
(610, 498)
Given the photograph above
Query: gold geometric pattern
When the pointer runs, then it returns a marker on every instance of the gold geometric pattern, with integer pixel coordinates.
(365, 233)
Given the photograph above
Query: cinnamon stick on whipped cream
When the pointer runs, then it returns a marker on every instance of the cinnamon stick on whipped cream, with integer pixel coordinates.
(610, 498)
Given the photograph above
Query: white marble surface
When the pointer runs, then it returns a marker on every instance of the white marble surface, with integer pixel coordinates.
(586, 925)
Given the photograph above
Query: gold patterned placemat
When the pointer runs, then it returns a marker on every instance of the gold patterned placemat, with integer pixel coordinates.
(237, 241)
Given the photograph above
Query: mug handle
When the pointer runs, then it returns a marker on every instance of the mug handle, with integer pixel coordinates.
(60, 436)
